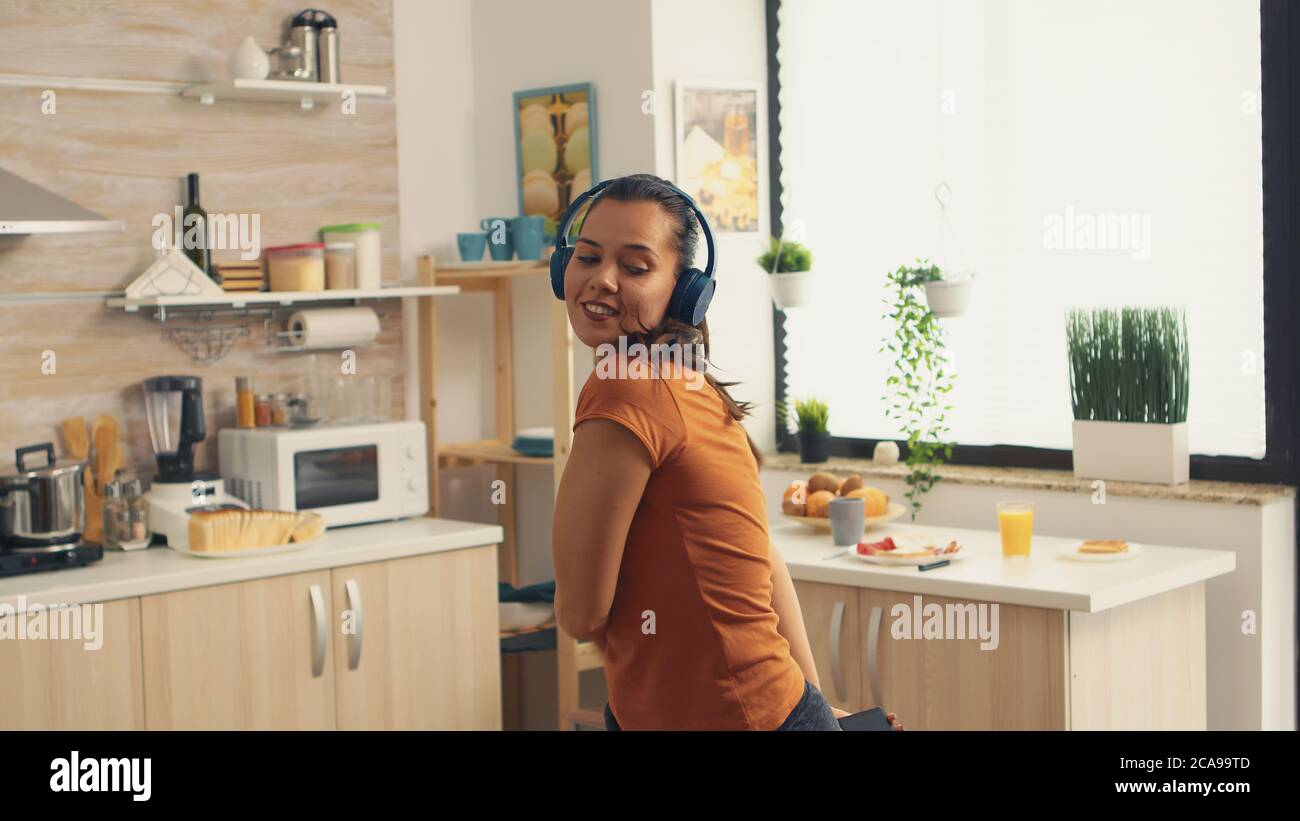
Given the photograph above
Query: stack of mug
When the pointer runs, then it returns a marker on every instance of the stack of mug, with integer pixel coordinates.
(504, 237)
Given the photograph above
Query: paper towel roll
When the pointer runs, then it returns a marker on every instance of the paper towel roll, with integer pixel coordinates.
(333, 328)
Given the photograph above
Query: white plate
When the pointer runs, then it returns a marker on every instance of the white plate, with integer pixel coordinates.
(1071, 552)
(247, 553)
(909, 543)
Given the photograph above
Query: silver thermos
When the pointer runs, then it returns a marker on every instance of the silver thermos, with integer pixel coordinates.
(328, 53)
(312, 51)
(302, 44)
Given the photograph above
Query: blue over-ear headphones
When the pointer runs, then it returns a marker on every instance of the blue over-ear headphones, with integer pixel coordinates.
(694, 289)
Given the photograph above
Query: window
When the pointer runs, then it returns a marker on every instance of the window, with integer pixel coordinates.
(1094, 153)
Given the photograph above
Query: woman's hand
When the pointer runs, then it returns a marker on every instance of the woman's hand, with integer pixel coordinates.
(840, 713)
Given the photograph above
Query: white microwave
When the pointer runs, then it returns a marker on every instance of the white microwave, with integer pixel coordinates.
(347, 473)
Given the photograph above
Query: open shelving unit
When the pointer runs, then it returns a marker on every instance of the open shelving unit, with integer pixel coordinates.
(307, 95)
(495, 278)
(241, 299)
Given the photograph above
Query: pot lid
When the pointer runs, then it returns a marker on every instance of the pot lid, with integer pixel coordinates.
(25, 468)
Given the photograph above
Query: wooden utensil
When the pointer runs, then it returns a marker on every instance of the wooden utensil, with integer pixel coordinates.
(75, 438)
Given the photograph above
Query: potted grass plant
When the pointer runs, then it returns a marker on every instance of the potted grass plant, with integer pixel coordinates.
(789, 266)
(814, 435)
(1128, 389)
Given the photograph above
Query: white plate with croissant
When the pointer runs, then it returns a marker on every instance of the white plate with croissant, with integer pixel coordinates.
(241, 534)
(1106, 550)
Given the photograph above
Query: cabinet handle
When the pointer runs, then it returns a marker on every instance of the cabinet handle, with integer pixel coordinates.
(837, 665)
(354, 641)
(873, 657)
(318, 628)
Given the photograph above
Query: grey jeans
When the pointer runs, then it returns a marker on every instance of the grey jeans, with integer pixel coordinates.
(812, 712)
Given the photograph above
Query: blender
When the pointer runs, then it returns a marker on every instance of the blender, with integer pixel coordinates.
(174, 407)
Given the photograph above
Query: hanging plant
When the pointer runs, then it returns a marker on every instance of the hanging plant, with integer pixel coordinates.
(917, 388)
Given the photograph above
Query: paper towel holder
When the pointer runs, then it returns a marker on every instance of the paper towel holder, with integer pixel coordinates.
(279, 342)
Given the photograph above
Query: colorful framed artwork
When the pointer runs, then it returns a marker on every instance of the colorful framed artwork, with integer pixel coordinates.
(717, 144)
(555, 148)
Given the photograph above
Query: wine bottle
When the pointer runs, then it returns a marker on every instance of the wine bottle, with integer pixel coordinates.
(194, 226)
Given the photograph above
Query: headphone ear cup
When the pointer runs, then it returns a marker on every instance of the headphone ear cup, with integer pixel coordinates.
(691, 296)
(559, 262)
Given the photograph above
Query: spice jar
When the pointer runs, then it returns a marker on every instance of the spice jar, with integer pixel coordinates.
(137, 514)
(280, 409)
(262, 410)
(117, 523)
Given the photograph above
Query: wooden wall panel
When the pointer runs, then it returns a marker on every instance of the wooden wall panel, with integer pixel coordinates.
(124, 154)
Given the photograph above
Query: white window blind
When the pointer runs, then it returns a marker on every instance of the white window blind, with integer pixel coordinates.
(1138, 118)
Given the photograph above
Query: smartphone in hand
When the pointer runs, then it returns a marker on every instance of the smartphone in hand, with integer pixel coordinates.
(867, 720)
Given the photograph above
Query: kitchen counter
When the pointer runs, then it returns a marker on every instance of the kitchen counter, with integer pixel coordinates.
(121, 575)
(1040, 580)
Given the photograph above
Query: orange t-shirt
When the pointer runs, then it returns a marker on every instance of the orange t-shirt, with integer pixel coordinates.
(691, 640)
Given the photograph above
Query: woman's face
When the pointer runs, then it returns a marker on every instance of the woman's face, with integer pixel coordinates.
(622, 271)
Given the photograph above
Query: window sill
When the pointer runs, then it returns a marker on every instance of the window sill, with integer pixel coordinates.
(1231, 493)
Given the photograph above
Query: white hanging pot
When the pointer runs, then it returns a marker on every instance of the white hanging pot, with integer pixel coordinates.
(948, 298)
(793, 290)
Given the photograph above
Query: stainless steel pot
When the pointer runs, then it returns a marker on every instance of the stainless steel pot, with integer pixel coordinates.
(44, 505)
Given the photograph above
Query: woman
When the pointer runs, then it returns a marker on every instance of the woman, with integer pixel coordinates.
(662, 555)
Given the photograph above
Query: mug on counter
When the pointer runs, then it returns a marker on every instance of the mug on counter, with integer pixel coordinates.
(471, 246)
(500, 239)
(529, 235)
(848, 520)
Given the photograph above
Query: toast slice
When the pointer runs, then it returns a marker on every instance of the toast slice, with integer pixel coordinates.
(1104, 546)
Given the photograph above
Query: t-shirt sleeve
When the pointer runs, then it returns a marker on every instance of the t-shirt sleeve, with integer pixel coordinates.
(644, 406)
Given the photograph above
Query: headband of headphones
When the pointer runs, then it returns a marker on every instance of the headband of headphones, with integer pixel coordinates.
(694, 289)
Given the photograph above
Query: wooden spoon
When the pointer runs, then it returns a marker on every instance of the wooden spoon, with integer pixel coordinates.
(75, 438)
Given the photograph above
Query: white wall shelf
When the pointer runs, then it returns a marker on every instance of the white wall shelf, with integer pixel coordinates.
(237, 300)
(306, 95)
(281, 91)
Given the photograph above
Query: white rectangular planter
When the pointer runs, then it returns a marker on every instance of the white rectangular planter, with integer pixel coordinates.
(1131, 451)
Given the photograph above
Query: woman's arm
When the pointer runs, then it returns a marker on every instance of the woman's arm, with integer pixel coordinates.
(603, 480)
(786, 604)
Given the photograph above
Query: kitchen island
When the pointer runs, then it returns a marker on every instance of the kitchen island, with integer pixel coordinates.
(1069, 645)
(390, 625)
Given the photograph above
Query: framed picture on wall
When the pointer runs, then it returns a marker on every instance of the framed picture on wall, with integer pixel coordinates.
(717, 151)
(555, 148)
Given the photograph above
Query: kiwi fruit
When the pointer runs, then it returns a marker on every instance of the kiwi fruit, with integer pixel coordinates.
(823, 481)
(851, 484)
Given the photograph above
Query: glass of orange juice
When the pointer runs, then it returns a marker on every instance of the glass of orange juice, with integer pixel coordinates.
(1016, 525)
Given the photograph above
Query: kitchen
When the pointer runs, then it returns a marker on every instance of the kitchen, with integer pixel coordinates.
(354, 348)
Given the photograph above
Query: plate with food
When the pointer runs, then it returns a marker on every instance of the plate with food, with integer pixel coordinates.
(912, 549)
(241, 534)
(1101, 550)
(808, 502)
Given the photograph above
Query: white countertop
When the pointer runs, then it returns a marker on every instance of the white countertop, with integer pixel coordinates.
(1040, 580)
(122, 575)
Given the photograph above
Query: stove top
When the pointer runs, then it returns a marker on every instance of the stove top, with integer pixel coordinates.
(16, 561)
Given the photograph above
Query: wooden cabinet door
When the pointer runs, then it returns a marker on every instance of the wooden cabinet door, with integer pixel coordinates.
(952, 683)
(251, 655)
(61, 684)
(830, 616)
(416, 643)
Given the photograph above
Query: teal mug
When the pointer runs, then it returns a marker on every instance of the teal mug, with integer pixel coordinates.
(499, 240)
(471, 246)
(528, 234)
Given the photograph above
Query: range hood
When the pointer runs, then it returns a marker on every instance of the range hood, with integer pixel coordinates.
(26, 208)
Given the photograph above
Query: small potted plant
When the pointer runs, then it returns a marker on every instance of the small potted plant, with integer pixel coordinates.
(789, 266)
(1128, 389)
(814, 436)
(947, 294)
